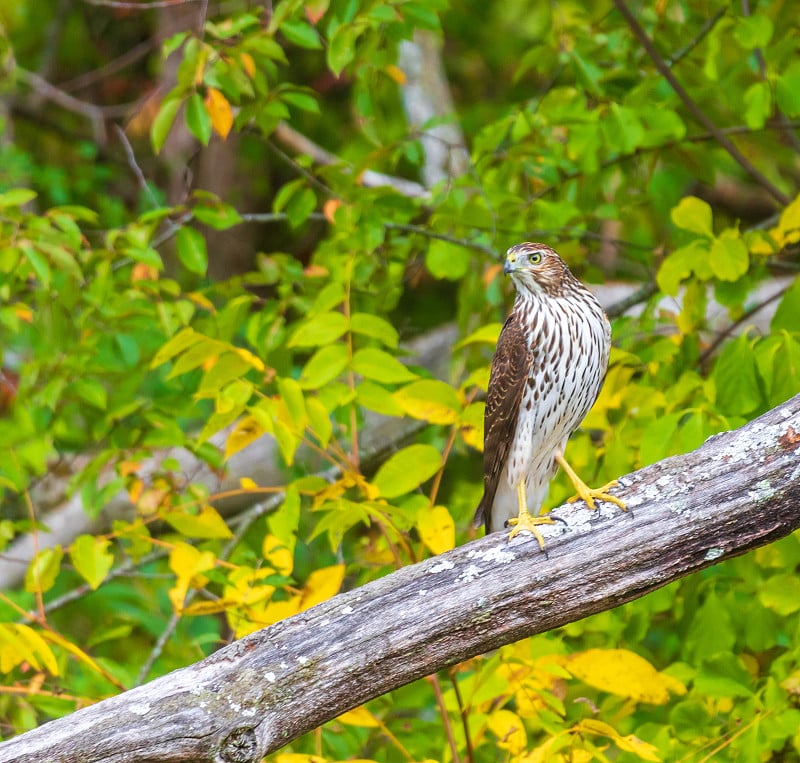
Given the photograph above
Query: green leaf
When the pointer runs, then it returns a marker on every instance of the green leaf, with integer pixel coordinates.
(407, 469)
(758, 105)
(301, 34)
(753, 31)
(324, 366)
(303, 101)
(43, 570)
(376, 398)
(16, 197)
(192, 252)
(679, 265)
(781, 594)
(320, 420)
(376, 327)
(694, 215)
(729, 257)
(163, 121)
(91, 558)
(207, 523)
(787, 316)
(91, 391)
(218, 215)
(379, 366)
(183, 340)
(342, 48)
(198, 120)
(322, 329)
(446, 260)
(735, 376)
(787, 90)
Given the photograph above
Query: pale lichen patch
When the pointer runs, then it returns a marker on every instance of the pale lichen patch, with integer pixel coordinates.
(140, 708)
(441, 566)
(472, 572)
(303, 660)
(270, 677)
(763, 491)
(713, 553)
(348, 610)
(496, 554)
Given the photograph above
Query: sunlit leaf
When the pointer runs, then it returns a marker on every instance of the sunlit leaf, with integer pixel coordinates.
(694, 215)
(624, 673)
(407, 469)
(436, 529)
(91, 558)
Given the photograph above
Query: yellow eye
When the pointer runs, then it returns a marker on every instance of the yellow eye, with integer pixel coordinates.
(536, 257)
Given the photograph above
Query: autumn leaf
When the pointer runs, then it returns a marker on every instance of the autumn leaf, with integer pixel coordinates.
(220, 112)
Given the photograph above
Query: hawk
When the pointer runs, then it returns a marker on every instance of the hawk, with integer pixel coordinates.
(547, 371)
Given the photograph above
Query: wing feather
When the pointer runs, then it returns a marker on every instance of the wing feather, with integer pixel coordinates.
(510, 368)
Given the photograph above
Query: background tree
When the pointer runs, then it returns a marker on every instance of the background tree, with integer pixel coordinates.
(225, 227)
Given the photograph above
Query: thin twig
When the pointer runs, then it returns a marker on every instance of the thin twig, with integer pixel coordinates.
(464, 713)
(448, 728)
(695, 110)
(705, 29)
(746, 315)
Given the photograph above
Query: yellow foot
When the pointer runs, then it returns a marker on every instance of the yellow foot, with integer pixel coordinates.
(526, 521)
(586, 493)
(592, 494)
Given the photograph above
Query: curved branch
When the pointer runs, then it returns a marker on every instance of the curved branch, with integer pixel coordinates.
(738, 491)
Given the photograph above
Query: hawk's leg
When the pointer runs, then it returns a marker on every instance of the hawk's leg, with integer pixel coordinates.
(525, 520)
(586, 493)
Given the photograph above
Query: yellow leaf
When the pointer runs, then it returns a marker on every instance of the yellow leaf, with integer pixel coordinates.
(188, 563)
(43, 570)
(206, 524)
(278, 555)
(279, 610)
(248, 357)
(360, 716)
(624, 673)
(471, 425)
(246, 431)
(429, 400)
(396, 73)
(789, 223)
(245, 483)
(220, 112)
(20, 643)
(321, 585)
(509, 730)
(248, 64)
(436, 529)
(629, 743)
(298, 757)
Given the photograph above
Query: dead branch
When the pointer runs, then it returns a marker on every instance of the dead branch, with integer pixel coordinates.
(736, 492)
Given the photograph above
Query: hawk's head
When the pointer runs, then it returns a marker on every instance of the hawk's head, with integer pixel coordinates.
(536, 268)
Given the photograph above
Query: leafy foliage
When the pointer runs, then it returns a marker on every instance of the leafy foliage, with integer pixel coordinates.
(128, 367)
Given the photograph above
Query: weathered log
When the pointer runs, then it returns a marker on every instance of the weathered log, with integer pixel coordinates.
(738, 491)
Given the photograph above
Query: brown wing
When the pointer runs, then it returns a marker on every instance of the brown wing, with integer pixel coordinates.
(510, 368)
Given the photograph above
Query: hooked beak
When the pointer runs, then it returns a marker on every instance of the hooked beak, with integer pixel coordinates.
(510, 265)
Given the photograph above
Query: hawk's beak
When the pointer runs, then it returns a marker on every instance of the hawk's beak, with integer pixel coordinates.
(510, 265)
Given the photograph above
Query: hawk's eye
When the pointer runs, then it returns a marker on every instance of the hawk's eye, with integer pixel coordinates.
(535, 257)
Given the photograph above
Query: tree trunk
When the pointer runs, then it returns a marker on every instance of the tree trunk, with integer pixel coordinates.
(738, 491)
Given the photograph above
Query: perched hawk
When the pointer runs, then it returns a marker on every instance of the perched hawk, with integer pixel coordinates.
(548, 369)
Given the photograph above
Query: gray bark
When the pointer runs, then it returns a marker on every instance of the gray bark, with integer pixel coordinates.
(738, 491)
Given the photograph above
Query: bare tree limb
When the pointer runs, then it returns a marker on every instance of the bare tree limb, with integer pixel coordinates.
(426, 96)
(299, 143)
(738, 491)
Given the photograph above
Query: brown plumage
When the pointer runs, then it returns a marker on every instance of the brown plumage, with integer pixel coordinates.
(548, 369)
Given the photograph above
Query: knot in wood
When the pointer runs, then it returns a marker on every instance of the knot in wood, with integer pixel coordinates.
(240, 746)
